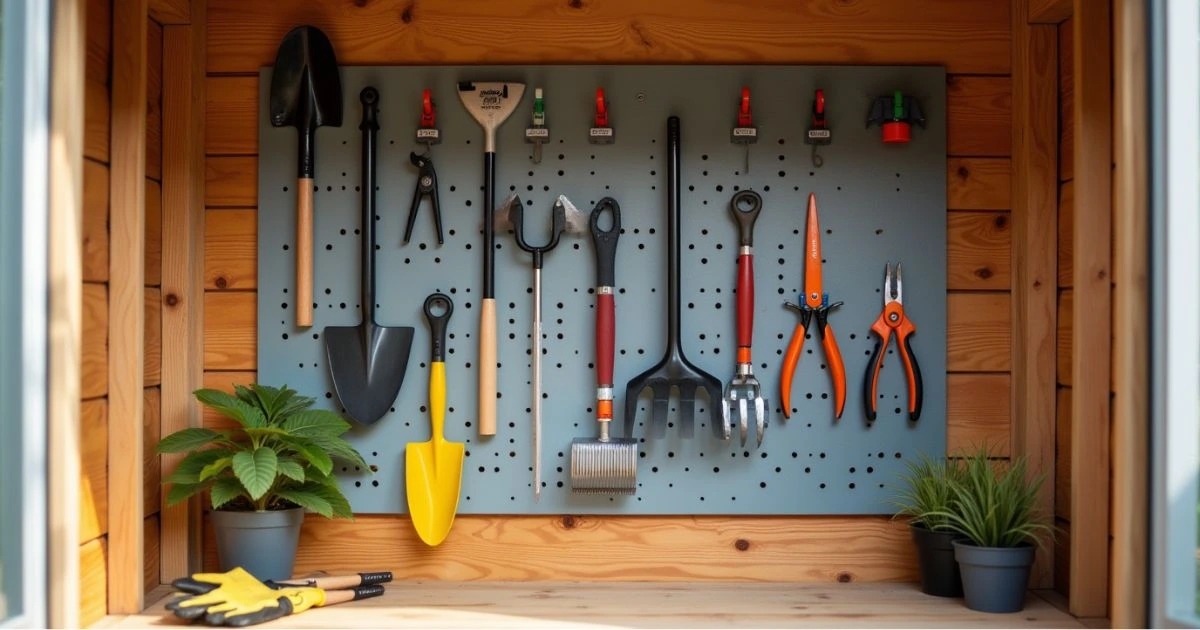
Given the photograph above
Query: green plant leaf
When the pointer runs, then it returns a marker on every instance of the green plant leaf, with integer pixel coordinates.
(246, 394)
(181, 492)
(340, 449)
(256, 470)
(226, 490)
(215, 467)
(291, 469)
(244, 413)
(187, 440)
(315, 456)
(315, 422)
(307, 500)
(332, 494)
(189, 469)
(259, 433)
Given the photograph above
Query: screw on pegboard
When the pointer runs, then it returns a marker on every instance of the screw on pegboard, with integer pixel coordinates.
(538, 133)
(601, 132)
(428, 133)
(745, 133)
(818, 128)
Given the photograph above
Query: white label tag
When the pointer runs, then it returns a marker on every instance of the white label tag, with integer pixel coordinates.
(819, 133)
(537, 132)
(428, 134)
(601, 132)
(745, 132)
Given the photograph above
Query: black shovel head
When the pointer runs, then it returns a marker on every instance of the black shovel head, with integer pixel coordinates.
(367, 363)
(306, 89)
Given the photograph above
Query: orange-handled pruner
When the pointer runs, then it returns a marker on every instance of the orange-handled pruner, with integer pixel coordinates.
(893, 320)
(815, 303)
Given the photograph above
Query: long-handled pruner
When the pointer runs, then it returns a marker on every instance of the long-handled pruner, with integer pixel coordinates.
(426, 187)
(743, 394)
(816, 303)
(893, 320)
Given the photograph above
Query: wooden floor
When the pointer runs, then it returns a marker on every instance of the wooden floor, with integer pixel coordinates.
(647, 605)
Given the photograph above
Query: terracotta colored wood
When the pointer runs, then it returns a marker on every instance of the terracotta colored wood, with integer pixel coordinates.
(99, 40)
(1092, 326)
(977, 250)
(94, 349)
(1062, 477)
(154, 79)
(95, 222)
(1066, 234)
(1066, 100)
(93, 581)
(1065, 338)
(966, 35)
(152, 353)
(230, 320)
(151, 471)
(978, 184)
(126, 317)
(167, 12)
(93, 483)
(96, 118)
(1035, 203)
(978, 412)
(979, 116)
(154, 233)
(979, 332)
(231, 182)
(1049, 11)
(230, 249)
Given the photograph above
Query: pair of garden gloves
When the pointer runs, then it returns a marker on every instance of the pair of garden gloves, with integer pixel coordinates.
(235, 598)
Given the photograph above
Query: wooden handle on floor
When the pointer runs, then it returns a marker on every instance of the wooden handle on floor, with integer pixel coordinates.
(487, 367)
(304, 252)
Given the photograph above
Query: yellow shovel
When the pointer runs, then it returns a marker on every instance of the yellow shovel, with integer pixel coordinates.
(434, 468)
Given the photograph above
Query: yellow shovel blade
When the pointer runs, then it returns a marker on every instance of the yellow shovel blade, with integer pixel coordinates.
(433, 472)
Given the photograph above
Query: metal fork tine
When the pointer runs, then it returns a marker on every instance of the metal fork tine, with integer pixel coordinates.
(760, 417)
(743, 419)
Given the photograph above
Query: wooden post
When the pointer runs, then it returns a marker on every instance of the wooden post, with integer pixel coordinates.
(183, 269)
(1091, 323)
(126, 322)
(1130, 570)
(1034, 256)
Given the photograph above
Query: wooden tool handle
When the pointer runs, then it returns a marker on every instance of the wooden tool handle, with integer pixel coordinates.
(304, 253)
(487, 367)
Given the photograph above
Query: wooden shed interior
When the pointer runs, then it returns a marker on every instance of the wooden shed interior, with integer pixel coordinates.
(169, 275)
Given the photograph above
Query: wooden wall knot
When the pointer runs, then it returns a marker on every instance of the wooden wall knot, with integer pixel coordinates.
(221, 282)
(741, 544)
(845, 577)
(1000, 222)
(568, 522)
(964, 172)
(575, 4)
(406, 15)
(171, 299)
(983, 273)
(361, 3)
(640, 33)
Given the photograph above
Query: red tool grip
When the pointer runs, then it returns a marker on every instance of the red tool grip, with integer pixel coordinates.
(428, 118)
(606, 332)
(745, 300)
(744, 117)
(601, 109)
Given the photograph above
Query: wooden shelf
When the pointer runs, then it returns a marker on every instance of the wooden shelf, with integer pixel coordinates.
(642, 604)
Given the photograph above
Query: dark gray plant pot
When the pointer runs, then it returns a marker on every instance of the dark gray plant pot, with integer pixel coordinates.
(262, 543)
(935, 555)
(994, 578)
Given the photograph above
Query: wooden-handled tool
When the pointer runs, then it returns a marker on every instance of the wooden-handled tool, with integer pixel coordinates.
(336, 582)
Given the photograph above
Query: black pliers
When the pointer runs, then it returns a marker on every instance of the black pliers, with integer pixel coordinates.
(426, 185)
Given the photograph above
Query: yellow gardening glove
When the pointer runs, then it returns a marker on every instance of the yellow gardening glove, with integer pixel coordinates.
(236, 598)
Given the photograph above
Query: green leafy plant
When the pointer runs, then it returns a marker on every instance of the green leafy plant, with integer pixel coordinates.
(279, 456)
(995, 505)
(926, 492)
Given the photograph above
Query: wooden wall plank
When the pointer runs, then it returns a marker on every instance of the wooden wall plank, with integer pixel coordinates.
(979, 116)
(126, 317)
(231, 116)
(230, 330)
(966, 35)
(978, 183)
(1066, 100)
(1066, 234)
(96, 117)
(152, 343)
(93, 486)
(979, 332)
(1065, 338)
(231, 249)
(151, 472)
(153, 248)
(95, 222)
(978, 247)
(1062, 476)
(183, 269)
(1092, 357)
(978, 412)
(1049, 11)
(93, 581)
(99, 40)
(167, 12)
(94, 350)
(151, 554)
(154, 78)
(231, 182)
(1062, 558)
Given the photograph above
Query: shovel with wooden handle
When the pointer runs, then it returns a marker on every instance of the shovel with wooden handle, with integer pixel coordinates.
(306, 93)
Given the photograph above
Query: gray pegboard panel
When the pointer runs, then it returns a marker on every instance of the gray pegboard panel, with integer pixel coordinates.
(877, 203)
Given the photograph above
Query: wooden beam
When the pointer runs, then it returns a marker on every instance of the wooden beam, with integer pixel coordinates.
(171, 12)
(1049, 11)
(65, 322)
(1130, 571)
(127, 228)
(1091, 322)
(1035, 219)
(183, 268)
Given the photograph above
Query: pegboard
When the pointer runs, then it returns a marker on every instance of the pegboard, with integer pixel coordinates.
(877, 203)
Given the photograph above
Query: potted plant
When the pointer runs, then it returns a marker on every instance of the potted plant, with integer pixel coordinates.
(924, 495)
(262, 474)
(994, 509)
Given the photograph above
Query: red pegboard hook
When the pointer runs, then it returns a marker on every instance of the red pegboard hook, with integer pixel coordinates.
(601, 109)
(428, 117)
(744, 117)
(820, 102)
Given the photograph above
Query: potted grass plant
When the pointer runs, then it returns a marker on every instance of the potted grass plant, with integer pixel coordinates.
(924, 494)
(262, 474)
(995, 511)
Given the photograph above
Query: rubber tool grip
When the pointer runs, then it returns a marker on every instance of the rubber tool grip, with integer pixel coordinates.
(871, 384)
(606, 333)
(375, 577)
(837, 369)
(304, 251)
(438, 323)
(790, 359)
(915, 386)
(745, 301)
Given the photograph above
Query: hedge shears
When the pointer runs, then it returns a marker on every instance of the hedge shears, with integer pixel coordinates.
(893, 320)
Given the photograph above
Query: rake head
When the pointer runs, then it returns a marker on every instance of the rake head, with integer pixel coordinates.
(674, 372)
(744, 405)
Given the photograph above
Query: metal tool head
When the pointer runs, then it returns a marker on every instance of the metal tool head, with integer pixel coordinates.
(490, 104)
(674, 372)
(306, 89)
(604, 466)
(367, 363)
(565, 218)
(814, 292)
(892, 292)
(745, 405)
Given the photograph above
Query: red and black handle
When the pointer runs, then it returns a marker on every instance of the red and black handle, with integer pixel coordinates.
(893, 320)
(745, 206)
(605, 242)
(833, 355)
